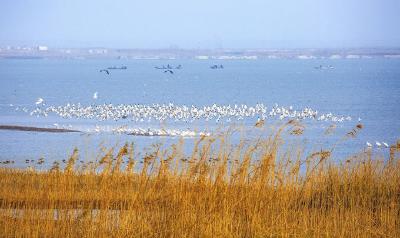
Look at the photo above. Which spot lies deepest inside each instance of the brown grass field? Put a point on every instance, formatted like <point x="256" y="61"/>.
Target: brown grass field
<point x="252" y="189"/>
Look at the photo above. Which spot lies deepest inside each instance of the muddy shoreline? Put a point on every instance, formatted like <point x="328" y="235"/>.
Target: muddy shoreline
<point x="35" y="129"/>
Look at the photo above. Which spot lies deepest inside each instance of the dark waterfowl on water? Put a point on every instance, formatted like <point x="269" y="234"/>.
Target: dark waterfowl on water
<point x="170" y="67"/>
<point x="324" y="67"/>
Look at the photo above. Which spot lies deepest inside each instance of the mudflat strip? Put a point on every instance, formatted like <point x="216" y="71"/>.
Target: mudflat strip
<point x="36" y="129"/>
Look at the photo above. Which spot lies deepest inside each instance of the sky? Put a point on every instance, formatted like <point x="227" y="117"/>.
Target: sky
<point x="201" y="24"/>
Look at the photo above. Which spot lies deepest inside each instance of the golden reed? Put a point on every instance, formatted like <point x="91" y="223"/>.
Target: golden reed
<point x="258" y="188"/>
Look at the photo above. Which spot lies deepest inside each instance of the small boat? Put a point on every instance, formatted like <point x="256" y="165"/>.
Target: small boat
<point x="115" y="67"/>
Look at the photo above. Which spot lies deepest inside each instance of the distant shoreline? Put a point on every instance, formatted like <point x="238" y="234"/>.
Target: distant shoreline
<point x="35" y="129"/>
<point x="45" y="52"/>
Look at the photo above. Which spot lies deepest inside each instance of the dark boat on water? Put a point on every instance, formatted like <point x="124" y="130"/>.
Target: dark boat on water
<point x="217" y="66"/>
<point x="115" y="67"/>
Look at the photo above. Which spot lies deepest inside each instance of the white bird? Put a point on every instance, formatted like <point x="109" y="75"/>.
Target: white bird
<point x="385" y="144"/>
<point x="39" y="101"/>
<point x="369" y="144"/>
<point x="95" y="96"/>
<point x="378" y="144"/>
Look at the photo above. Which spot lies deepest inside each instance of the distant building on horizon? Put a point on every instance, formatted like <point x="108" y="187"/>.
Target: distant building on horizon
<point x="42" y="48"/>
<point x="202" y="57"/>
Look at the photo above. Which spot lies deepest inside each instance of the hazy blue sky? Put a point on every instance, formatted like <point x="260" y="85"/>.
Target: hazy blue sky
<point x="201" y="24"/>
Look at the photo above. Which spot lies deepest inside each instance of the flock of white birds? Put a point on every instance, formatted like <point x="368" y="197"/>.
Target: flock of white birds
<point x="378" y="144"/>
<point x="182" y="113"/>
<point x="175" y="113"/>
<point x="153" y="131"/>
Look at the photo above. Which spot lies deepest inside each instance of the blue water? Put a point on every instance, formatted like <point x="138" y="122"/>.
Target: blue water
<point x="365" y="88"/>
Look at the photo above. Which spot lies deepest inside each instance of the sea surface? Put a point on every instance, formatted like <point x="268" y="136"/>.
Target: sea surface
<point x="367" y="90"/>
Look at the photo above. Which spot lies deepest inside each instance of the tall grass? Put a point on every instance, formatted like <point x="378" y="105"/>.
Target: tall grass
<point x="251" y="189"/>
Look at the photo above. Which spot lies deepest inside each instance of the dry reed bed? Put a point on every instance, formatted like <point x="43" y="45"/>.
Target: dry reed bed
<point x="247" y="190"/>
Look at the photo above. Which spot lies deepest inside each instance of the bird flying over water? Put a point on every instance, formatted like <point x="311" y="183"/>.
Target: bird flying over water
<point x="169" y="71"/>
<point x="95" y="95"/>
<point x="39" y="101"/>
<point x="105" y="70"/>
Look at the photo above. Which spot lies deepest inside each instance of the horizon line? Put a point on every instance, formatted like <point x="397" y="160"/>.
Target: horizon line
<point x="213" y="49"/>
